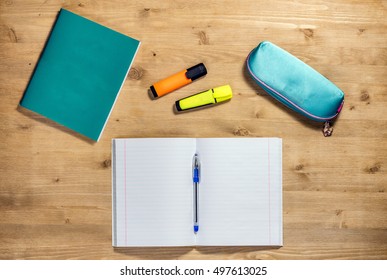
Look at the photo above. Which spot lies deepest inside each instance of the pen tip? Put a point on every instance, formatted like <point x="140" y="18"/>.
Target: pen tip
<point x="196" y="229"/>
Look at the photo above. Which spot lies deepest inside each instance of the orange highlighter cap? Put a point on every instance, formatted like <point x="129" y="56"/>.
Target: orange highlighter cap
<point x="178" y="80"/>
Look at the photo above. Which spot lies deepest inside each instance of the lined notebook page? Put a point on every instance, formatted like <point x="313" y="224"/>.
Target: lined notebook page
<point x="152" y="192"/>
<point x="240" y="191"/>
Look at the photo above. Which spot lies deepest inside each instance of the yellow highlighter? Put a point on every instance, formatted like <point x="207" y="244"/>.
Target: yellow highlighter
<point x="205" y="98"/>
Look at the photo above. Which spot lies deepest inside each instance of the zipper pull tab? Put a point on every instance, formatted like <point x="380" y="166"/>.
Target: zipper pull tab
<point x="327" y="129"/>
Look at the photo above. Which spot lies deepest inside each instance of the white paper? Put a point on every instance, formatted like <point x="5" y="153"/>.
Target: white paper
<point x="153" y="190"/>
<point x="240" y="192"/>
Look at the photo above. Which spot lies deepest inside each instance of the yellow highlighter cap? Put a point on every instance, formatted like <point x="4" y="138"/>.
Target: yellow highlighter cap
<point x="222" y="93"/>
<point x="208" y="97"/>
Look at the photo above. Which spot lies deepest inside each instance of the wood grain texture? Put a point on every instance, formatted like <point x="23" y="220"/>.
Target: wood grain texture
<point x="55" y="186"/>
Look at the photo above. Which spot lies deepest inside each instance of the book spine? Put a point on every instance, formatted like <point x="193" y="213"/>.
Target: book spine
<point x="114" y="197"/>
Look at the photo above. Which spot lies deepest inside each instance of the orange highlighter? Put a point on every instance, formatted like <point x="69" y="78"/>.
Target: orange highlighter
<point x="178" y="80"/>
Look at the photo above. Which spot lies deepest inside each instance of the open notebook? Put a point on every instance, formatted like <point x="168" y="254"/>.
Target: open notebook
<point x="240" y="197"/>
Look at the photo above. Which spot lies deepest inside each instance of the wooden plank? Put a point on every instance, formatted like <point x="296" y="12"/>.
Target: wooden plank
<point x="55" y="186"/>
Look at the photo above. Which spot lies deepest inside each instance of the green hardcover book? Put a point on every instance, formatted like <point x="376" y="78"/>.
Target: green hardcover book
<point x="79" y="74"/>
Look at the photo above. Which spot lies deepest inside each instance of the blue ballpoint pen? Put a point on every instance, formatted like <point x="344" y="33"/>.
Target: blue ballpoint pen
<point x="196" y="178"/>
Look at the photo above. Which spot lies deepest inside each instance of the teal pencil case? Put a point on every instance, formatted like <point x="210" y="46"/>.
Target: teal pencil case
<point x="294" y="83"/>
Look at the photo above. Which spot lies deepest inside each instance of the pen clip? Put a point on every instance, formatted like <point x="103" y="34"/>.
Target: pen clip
<point x="196" y="169"/>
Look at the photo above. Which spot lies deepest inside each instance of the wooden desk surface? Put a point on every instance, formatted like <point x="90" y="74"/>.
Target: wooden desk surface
<point x="55" y="187"/>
